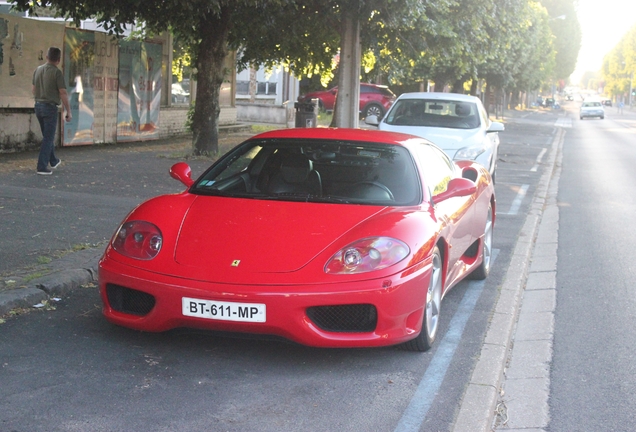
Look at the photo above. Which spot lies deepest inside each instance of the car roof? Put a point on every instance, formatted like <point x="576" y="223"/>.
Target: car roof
<point x="439" y="96"/>
<point x="344" y="134"/>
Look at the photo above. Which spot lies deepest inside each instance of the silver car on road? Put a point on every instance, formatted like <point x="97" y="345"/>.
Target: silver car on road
<point x="456" y="123"/>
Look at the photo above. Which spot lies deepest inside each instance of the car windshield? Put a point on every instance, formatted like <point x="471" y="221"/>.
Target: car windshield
<point x="434" y="113"/>
<point x="315" y="171"/>
<point x="591" y="104"/>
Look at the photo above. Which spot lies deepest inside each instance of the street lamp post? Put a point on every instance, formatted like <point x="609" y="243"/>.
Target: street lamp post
<point x="631" y="88"/>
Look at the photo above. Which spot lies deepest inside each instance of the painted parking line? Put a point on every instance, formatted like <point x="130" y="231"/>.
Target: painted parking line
<point x="516" y="203"/>
<point x="564" y="122"/>
<point x="538" y="161"/>
<point x="416" y="411"/>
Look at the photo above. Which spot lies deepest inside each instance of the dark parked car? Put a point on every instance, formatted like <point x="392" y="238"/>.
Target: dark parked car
<point x="374" y="99"/>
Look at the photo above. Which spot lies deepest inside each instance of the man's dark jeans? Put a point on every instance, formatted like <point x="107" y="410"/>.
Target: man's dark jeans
<point x="47" y="116"/>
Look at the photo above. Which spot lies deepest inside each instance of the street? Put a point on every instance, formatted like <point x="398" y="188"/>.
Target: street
<point x="64" y="368"/>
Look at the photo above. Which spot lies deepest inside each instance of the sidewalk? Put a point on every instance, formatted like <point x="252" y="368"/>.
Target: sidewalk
<point x="95" y="185"/>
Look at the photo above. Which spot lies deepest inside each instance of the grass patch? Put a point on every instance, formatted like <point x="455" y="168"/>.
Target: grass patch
<point x="324" y="118"/>
<point x="32" y="276"/>
<point x="264" y="128"/>
<point x="44" y="259"/>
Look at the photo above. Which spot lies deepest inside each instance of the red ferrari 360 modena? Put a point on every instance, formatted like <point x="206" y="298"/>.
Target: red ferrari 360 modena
<point x="326" y="237"/>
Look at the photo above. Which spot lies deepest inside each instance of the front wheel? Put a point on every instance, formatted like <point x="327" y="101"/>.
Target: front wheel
<point x="430" y="320"/>
<point x="483" y="270"/>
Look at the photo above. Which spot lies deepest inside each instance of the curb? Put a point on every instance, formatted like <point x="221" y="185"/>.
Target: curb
<point x="68" y="274"/>
<point x="478" y="407"/>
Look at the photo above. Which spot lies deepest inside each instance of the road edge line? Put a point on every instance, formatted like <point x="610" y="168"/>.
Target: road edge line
<point x="478" y="406"/>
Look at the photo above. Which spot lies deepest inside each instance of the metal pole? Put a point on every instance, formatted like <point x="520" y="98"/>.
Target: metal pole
<point x="631" y="82"/>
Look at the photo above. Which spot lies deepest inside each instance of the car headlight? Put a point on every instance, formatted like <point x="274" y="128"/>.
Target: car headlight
<point x="138" y="239"/>
<point x="471" y="152"/>
<point x="368" y="254"/>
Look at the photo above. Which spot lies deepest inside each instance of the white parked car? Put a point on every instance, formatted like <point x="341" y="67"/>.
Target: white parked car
<point x="592" y="108"/>
<point x="456" y="123"/>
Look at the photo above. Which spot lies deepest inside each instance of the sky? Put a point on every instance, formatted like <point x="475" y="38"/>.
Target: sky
<point x="603" y="23"/>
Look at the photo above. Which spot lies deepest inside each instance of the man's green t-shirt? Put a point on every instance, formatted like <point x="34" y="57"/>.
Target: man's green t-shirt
<point x="48" y="80"/>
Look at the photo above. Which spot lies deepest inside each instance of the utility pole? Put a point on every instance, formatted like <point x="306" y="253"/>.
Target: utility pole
<point x="631" y="88"/>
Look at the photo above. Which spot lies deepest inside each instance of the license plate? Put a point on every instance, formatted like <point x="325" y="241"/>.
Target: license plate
<point x="226" y="311"/>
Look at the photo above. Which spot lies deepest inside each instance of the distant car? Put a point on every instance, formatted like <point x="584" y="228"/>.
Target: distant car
<point x="456" y="123"/>
<point x="592" y="109"/>
<point x="374" y="99"/>
<point x="606" y="102"/>
<point x="327" y="237"/>
<point x="179" y="94"/>
<point x="548" y="102"/>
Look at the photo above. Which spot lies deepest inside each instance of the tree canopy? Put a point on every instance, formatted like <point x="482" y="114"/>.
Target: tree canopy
<point x="619" y="66"/>
<point x="513" y="44"/>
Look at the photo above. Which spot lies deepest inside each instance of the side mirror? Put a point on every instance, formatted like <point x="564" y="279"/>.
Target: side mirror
<point x="181" y="171"/>
<point x="457" y="187"/>
<point x="496" y="127"/>
<point x="372" y="120"/>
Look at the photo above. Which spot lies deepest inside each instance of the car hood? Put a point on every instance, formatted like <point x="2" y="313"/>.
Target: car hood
<point x="448" y="139"/>
<point x="260" y="236"/>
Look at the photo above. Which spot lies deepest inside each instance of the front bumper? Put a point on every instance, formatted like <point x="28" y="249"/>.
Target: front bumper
<point x="396" y="305"/>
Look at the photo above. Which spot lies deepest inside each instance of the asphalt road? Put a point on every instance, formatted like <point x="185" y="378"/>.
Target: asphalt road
<point x="64" y="368"/>
<point x="593" y="373"/>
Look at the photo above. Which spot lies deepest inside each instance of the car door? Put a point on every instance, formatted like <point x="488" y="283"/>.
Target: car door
<point x="455" y="214"/>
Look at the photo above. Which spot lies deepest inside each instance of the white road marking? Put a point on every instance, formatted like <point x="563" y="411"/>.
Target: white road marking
<point x="564" y="122"/>
<point x="416" y="411"/>
<point x="516" y="203"/>
<point x="536" y="165"/>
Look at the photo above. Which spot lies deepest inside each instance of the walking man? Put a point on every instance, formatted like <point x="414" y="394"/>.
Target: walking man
<point x="49" y="90"/>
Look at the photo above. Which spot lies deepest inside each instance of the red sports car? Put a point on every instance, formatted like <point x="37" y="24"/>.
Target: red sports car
<point x="326" y="237"/>
<point x="374" y="99"/>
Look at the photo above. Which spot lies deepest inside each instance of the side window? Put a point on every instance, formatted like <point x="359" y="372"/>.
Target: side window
<point x="438" y="169"/>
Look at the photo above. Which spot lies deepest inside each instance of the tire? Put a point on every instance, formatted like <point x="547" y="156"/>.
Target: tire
<point x="373" y="109"/>
<point x="602" y="117"/>
<point x="430" y="319"/>
<point x="481" y="272"/>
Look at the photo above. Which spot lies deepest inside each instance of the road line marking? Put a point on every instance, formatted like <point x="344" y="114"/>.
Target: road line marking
<point x="516" y="203"/>
<point x="536" y="165"/>
<point x="564" y="122"/>
<point x="416" y="411"/>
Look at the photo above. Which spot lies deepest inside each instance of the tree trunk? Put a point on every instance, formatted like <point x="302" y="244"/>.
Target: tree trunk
<point x="212" y="51"/>
<point x="347" y="106"/>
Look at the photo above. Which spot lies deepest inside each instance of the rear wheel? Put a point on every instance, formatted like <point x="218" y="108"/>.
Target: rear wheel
<point x="430" y="321"/>
<point x="373" y="109"/>
<point x="483" y="270"/>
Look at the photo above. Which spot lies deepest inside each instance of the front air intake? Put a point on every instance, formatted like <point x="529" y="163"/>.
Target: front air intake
<point x="130" y="301"/>
<point x="358" y="318"/>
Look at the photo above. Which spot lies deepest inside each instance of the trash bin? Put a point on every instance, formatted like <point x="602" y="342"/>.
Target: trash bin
<point x="307" y="113"/>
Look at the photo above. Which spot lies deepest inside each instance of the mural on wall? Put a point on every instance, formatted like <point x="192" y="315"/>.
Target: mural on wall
<point x="23" y="46"/>
<point x="79" y="58"/>
<point x="114" y="88"/>
<point x="139" y="90"/>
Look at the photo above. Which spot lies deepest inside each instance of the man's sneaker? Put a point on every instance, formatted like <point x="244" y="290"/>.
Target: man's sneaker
<point x="45" y="172"/>
<point x="59" y="161"/>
